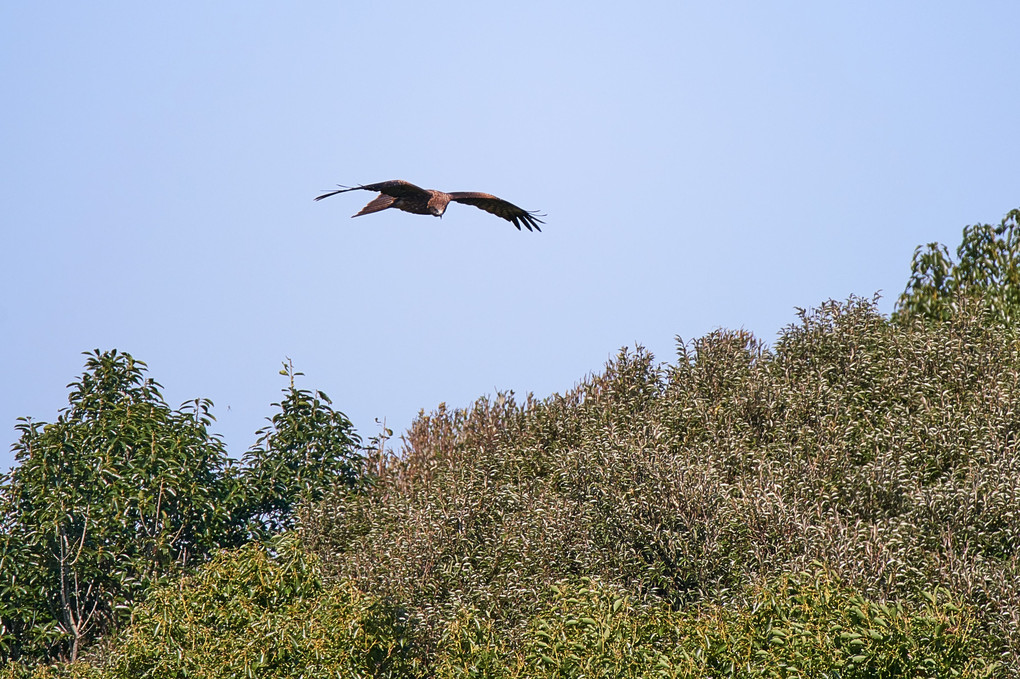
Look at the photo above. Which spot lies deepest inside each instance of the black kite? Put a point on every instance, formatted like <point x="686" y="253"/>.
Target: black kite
<point x="410" y="198"/>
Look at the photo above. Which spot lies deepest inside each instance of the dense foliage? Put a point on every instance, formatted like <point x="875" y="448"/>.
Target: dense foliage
<point x="886" y="452"/>
<point x="122" y="493"/>
<point x="844" y="503"/>
<point x="987" y="269"/>
<point x="254" y="613"/>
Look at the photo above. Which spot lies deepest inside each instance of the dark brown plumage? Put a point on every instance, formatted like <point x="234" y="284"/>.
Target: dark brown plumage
<point x="410" y="198"/>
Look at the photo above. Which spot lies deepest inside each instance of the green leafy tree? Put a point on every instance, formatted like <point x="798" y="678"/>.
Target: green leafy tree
<point x="308" y="449"/>
<point x="122" y="492"/>
<point x="115" y="495"/>
<point x="987" y="269"/>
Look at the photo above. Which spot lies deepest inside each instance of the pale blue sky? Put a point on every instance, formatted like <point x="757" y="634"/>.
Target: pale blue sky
<point x="702" y="165"/>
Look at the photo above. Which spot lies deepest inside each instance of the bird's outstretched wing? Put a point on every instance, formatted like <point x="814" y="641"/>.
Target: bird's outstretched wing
<point x="397" y="188"/>
<point x="500" y="208"/>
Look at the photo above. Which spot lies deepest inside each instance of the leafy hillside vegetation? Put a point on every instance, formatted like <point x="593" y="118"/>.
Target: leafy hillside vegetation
<point x="884" y="455"/>
<point x="842" y="503"/>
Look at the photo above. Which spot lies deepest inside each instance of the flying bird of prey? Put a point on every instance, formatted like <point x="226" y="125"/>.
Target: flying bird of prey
<point x="410" y="198"/>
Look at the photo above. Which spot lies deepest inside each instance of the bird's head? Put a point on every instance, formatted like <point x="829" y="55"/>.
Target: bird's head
<point x="437" y="210"/>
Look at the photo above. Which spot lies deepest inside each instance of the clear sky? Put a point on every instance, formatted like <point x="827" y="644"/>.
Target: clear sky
<point x="702" y="165"/>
